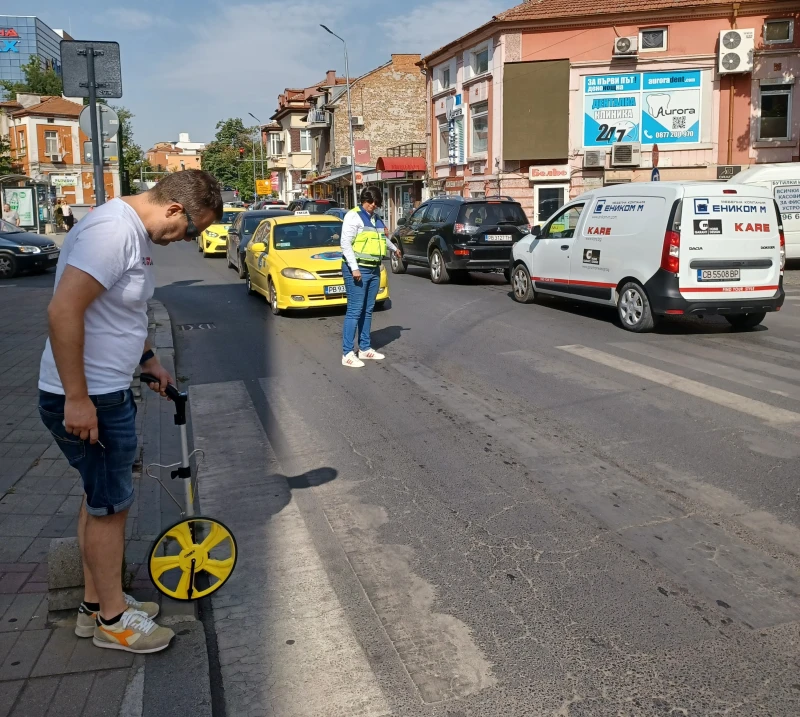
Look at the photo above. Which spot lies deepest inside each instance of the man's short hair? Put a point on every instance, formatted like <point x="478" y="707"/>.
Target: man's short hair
<point x="194" y="189"/>
<point x="372" y="195"/>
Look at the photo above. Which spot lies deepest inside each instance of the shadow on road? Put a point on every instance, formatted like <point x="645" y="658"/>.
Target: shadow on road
<point x="383" y="337"/>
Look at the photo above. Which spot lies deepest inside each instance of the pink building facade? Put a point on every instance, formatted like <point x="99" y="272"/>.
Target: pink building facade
<point x="531" y="104"/>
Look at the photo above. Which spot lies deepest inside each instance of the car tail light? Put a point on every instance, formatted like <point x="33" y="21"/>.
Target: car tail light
<point x="461" y="252"/>
<point x="468" y="229"/>
<point x="729" y="191"/>
<point x="670" y="256"/>
<point x="526" y="228"/>
<point x="783" y="246"/>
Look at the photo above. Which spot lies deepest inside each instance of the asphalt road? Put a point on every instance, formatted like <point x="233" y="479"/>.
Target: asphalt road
<point x="524" y="510"/>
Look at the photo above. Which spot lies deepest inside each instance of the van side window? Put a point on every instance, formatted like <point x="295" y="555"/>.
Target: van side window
<point x="562" y="226"/>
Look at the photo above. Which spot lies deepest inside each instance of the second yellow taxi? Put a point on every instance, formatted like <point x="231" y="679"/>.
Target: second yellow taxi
<point x="296" y="263"/>
<point x="214" y="240"/>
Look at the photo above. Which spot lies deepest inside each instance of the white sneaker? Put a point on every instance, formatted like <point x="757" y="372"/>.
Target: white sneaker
<point x="352" y="361"/>
<point x="371" y="354"/>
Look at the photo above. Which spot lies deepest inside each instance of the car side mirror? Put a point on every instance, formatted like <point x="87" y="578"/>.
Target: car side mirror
<point x="402" y="221"/>
<point x="258" y="247"/>
<point x="536" y="230"/>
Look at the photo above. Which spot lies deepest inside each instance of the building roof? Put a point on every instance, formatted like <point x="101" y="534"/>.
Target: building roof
<point x="11" y="105"/>
<point x="52" y="106"/>
<point x="547" y="9"/>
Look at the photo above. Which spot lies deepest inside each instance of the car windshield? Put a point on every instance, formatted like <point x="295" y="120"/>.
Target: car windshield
<point x="249" y="224"/>
<point x="9" y="228"/>
<point x="308" y="235"/>
<point x="228" y="217"/>
<point x="319" y="207"/>
<point x="491" y="214"/>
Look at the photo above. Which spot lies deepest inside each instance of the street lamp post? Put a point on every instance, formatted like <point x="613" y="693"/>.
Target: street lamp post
<point x="349" y="117"/>
<point x="261" y="142"/>
<point x="255" y="186"/>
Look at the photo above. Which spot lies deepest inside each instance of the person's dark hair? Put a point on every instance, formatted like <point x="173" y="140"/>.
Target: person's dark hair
<point x="193" y="188"/>
<point x="371" y="195"/>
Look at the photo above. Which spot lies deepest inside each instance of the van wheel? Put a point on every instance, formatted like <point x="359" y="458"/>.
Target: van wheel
<point x="399" y="265"/>
<point x="743" y="322"/>
<point x="522" y="286"/>
<point x="634" y="308"/>
<point x="439" y="273"/>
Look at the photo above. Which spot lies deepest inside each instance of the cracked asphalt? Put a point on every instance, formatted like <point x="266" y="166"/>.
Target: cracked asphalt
<point x="498" y="520"/>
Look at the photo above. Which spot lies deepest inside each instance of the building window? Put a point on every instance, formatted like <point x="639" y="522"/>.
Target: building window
<point x="775" y="121"/>
<point x="480" y="127"/>
<point x="50" y="143"/>
<point x="653" y="39"/>
<point x="480" y="61"/>
<point x="778" y="32"/>
<point x="305" y="140"/>
<point x="444" y="140"/>
<point x="446" y="78"/>
<point x="23" y="148"/>
<point x="275" y="144"/>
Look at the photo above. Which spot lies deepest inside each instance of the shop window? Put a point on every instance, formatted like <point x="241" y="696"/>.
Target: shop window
<point x="776" y="108"/>
<point x="444" y="141"/>
<point x="653" y="39"/>
<point x="778" y="32"/>
<point x="479" y="113"/>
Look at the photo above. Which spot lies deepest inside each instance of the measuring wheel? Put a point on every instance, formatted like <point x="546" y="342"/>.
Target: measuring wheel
<point x="193" y="558"/>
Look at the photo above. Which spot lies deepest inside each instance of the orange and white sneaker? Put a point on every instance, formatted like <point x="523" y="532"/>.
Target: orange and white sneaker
<point x="87" y="619"/>
<point x="133" y="632"/>
<point x="371" y="355"/>
<point x="352" y="361"/>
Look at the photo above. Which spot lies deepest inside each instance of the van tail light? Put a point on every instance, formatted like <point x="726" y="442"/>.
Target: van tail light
<point x="670" y="255"/>
<point x="783" y="247"/>
<point x="468" y="229"/>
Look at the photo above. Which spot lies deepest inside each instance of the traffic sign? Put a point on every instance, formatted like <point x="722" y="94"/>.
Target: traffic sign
<point x="655" y="175"/>
<point x="109" y="152"/>
<point x="107" y="121"/>
<point x="75" y="72"/>
<point x="263" y="187"/>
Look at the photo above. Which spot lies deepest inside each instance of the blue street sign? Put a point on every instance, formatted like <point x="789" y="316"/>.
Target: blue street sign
<point x="655" y="175"/>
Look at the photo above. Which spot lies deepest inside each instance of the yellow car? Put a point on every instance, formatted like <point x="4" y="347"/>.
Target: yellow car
<point x="214" y="240"/>
<point x="296" y="263"/>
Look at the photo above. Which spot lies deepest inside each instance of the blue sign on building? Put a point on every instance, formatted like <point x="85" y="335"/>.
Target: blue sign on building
<point x="20" y="39"/>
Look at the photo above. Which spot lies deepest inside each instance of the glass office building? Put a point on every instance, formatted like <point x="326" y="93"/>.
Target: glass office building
<point x="21" y="37"/>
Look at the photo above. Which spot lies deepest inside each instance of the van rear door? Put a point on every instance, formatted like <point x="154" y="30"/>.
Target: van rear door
<point x="729" y="243"/>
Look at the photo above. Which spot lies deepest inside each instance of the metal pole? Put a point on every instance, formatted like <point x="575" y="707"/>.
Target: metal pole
<point x="261" y="143"/>
<point x="123" y="182"/>
<point x="255" y="186"/>
<point x="97" y="144"/>
<point x="350" y="122"/>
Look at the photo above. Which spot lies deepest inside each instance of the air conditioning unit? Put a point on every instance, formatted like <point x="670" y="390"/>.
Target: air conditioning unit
<point x="594" y="159"/>
<point x="626" y="154"/>
<point x="736" y="51"/>
<point x="357" y="120"/>
<point x="56" y="157"/>
<point x="626" y="45"/>
<point x="345" y="161"/>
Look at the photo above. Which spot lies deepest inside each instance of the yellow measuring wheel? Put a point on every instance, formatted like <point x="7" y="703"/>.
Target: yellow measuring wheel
<point x="194" y="557"/>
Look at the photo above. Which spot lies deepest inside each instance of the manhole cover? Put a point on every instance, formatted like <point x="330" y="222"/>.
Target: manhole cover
<point x="197" y="327"/>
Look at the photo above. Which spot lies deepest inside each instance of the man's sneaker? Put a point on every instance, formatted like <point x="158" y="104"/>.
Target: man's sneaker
<point x="371" y="354"/>
<point x="87" y="620"/>
<point x="133" y="632"/>
<point x="352" y="361"/>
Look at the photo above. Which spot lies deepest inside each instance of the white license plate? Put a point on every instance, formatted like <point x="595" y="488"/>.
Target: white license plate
<point x="334" y="290"/>
<point x="497" y="237"/>
<point x="718" y="275"/>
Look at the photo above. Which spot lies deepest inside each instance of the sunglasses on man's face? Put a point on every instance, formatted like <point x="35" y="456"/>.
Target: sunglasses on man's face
<point x="191" y="230"/>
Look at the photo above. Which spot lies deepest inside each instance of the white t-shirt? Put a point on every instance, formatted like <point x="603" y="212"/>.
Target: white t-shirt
<point x="112" y="245"/>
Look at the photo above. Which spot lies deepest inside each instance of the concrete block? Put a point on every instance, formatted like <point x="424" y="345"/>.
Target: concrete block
<point x="64" y="566"/>
<point x="64" y="598"/>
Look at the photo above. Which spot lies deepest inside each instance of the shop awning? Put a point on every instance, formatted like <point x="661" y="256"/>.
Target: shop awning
<point x="401" y="164"/>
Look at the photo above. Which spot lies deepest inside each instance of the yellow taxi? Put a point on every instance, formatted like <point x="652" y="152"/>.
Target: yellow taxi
<point x="214" y="240"/>
<point x="296" y="263"/>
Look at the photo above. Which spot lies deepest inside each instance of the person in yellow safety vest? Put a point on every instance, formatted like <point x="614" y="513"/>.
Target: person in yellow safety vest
<point x="364" y="244"/>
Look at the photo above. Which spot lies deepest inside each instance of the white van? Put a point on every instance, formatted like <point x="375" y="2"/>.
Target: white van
<point x="659" y="248"/>
<point x="783" y="182"/>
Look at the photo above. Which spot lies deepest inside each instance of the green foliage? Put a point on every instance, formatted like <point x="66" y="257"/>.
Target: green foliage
<point x="222" y="157"/>
<point x="38" y="80"/>
<point x="5" y="156"/>
<point x="133" y="157"/>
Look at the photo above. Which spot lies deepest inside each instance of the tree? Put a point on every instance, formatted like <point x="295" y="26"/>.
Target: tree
<point x="223" y="158"/>
<point x="133" y="157"/>
<point x="38" y="80"/>
<point x="5" y="156"/>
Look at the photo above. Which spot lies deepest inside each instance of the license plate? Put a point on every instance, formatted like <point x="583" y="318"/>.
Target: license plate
<point x="335" y="290"/>
<point x="497" y="237"/>
<point x="718" y="275"/>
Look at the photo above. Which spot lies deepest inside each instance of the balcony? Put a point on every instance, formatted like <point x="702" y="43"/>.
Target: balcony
<point x="410" y="149"/>
<point x="276" y="150"/>
<point x="318" y="119"/>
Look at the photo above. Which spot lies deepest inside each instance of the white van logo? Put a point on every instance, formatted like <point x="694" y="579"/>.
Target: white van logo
<point x="591" y="256"/>
<point x="598" y="208"/>
<point x="708" y="226"/>
<point x="701" y="206"/>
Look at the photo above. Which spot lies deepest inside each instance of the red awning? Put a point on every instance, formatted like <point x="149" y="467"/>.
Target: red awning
<point x="401" y="164"/>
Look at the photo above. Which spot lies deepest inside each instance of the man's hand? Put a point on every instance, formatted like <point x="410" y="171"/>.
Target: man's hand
<point x="80" y="418"/>
<point x="154" y="367"/>
<point x="398" y="254"/>
<point x="357" y="274"/>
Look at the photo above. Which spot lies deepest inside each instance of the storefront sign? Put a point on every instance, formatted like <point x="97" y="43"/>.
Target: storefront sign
<point x="274" y="181"/>
<point x="648" y="107"/>
<point x="362" y="152"/>
<point x="21" y="202"/>
<point x="549" y="173"/>
<point x="788" y="198"/>
<point x="454" y="186"/>
<point x="9" y="38"/>
<point x="727" y="171"/>
<point x="63" y="180"/>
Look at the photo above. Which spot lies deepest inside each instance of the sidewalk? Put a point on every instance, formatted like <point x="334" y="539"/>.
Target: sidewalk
<point x="44" y="668"/>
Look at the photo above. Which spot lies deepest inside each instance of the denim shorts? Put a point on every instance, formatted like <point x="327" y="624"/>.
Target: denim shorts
<point x="106" y="471"/>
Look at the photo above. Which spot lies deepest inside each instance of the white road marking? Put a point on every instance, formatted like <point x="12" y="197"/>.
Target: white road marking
<point x="285" y="644"/>
<point x="759" y="349"/>
<point x="757" y="409"/>
<point x="735" y="359"/>
<point x="782" y="342"/>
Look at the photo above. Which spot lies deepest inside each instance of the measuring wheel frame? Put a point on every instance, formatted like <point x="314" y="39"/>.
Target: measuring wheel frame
<point x="192" y="559"/>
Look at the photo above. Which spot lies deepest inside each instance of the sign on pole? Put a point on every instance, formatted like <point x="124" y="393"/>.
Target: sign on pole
<point x="108" y="122"/>
<point x="109" y="152"/>
<point x="655" y="175"/>
<point x="263" y="186"/>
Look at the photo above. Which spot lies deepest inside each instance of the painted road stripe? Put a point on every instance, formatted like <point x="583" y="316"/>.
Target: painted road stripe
<point x="757" y="409"/>
<point x="712" y="368"/>
<point x="279" y="591"/>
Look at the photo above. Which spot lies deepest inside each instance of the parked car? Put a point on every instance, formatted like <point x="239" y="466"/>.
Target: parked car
<point x="240" y="233"/>
<point x="266" y="203"/>
<point x="21" y="250"/>
<point x="312" y="206"/>
<point x="337" y="212"/>
<point x="654" y="249"/>
<point x="453" y="235"/>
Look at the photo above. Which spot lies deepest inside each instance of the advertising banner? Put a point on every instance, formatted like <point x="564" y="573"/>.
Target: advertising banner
<point x="649" y="107"/>
<point x="21" y="201"/>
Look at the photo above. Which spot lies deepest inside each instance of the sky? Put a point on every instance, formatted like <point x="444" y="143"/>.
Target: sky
<point x="187" y="64"/>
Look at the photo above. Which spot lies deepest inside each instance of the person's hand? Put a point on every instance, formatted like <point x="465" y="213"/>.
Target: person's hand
<point x="154" y="368"/>
<point x="357" y="274"/>
<point x="80" y="418"/>
<point x="398" y="254"/>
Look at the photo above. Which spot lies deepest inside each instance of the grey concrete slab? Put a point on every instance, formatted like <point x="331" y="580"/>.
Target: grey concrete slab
<point x="12" y="549"/>
<point x="23" y="526"/>
<point x="87" y="657"/>
<point x="9" y="691"/>
<point x="36" y="697"/>
<point x="23" y="655"/>
<point x="56" y="654"/>
<point x="108" y="690"/>
<point x="21" y="611"/>
<point x="71" y="695"/>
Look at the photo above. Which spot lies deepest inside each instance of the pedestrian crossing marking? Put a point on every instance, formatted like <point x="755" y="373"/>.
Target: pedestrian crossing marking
<point x="757" y="409"/>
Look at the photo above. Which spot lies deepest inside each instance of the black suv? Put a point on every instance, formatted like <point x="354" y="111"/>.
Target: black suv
<point x="453" y="235"/>
<point x="312" y="206"/>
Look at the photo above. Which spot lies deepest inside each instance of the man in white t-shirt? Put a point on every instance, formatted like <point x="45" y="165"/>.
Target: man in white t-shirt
<point x="98" y="334"/>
